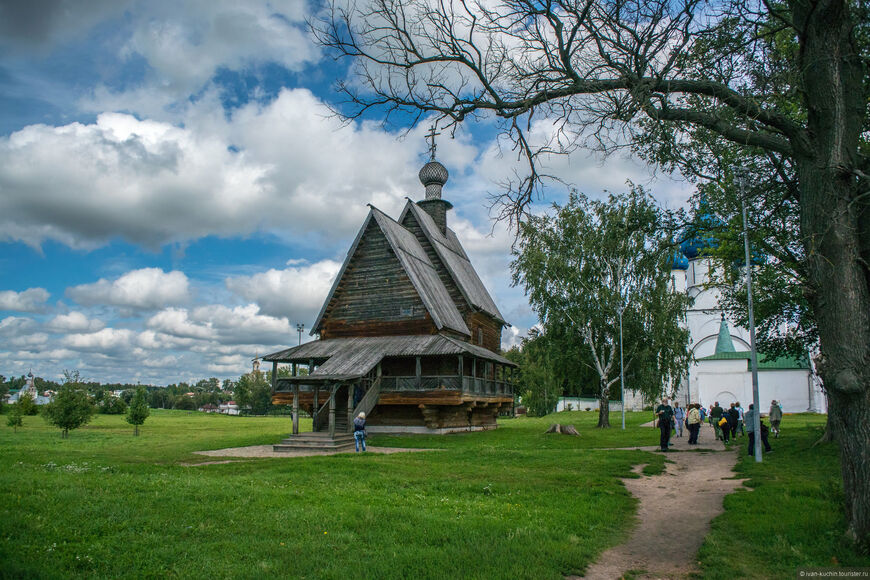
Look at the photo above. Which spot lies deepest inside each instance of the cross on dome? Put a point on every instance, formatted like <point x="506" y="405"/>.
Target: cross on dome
<point x="430" y="136"/>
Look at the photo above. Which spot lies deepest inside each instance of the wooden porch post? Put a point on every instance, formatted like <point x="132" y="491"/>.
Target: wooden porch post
<point x="296" y="409"/>
<point x="314" y="407"/>
<point x="274" y="375"/>
<point x="295" y="414"/>
<point x="461" y="372"/>
<point x="418" y="373"/>
<point x="351" y="387"/>
<point x="474" y="373"/>
<point x="332" y="410"/>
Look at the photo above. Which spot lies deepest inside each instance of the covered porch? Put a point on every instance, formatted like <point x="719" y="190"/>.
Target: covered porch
<point x="430" y="383"/>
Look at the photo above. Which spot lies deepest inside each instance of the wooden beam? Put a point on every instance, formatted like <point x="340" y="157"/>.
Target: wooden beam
<point x="351" y="387"/>
<point x="295" y="406"/>
<point x="314" y="407"/>
<point x="274" y="375"/>
<point x="332" y="411"/>
<point x="418" y="380"/>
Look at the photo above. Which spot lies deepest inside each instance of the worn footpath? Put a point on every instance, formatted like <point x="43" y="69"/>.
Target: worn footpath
<point x="675" y="510"/>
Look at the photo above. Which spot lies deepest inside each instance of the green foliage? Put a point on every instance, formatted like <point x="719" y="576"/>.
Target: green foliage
<point x="71" y="407"/>
<point x="254" y="393"/>
<point x="159" y="399"/>
<point x="539" y="384"/>
<point x="184" y="403"/>
<point x="15" y="418"/>
<point x="112" y="405"/>
<point x="27" y="405"/>
<point x="584" y="264"/>
<point x="138" y="410"/>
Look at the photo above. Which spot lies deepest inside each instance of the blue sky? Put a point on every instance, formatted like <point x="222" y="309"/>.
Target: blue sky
<point x="175" y="196"/>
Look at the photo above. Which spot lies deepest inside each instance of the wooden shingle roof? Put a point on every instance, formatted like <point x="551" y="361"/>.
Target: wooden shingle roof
<point x="453" y="256"/>
<point x="348" y="358"/>
<point x="417" y="267"/>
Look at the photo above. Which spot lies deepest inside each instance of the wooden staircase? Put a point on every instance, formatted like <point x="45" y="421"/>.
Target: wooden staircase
<point x="343" y="439"/>
<point x="316" y="441"/>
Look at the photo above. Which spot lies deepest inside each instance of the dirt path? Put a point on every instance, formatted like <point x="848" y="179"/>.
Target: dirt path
<point x="267" y="451"/>
<point x="675" y="511"/>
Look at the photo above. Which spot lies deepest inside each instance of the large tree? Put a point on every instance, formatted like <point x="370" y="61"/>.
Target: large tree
<point x="590" y="263"/>
<point x="610" y="72"/>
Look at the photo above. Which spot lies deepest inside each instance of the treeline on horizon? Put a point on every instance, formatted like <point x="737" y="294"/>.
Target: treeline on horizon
<point x="251" y="393"/>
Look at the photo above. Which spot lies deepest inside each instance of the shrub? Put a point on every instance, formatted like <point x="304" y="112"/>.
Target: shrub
<point x="15" y="418"/>
<point x="27" y="405"/>
<point x="113" y="406"/>
<point x="70" y="409"/>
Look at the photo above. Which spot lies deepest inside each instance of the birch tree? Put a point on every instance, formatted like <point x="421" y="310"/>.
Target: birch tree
<point x="592" y="259"/>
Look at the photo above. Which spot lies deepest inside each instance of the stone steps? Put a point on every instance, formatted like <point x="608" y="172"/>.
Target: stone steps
<point x="319" y="441"/>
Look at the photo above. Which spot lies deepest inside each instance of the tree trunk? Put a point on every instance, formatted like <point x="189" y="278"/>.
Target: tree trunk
<point x="135" y="430"/>
<point x="835" y="236"/>
<point x="603" y="406"/>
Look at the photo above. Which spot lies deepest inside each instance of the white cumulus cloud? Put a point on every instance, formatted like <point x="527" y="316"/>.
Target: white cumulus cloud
<point x="296" y="292"/>
<point x="74" y="322"/>
<point x="147" y="288"/>
<point x="30" y="300"/>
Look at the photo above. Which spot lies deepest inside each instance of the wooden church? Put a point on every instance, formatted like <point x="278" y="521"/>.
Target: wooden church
<point x="408" y="334"/>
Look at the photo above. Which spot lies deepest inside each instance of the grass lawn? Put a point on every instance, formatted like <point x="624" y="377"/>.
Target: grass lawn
<point x="791" y="518"/>
<point x="510" y="503"/>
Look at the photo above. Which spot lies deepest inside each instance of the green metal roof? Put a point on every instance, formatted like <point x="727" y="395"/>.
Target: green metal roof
<point x="764" y="363"/>
<point x="723" y="341"/>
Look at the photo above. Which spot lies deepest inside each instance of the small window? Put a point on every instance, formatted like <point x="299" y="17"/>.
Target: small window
<point x="407" y="311"/>
<point x="480" y="336"/>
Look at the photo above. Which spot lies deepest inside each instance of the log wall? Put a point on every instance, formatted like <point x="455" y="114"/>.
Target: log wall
<point x="375" y="297"/>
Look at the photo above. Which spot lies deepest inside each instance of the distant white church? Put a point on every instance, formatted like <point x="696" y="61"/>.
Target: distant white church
<point x="721" y="369"/>
<point x="29" y="388"/>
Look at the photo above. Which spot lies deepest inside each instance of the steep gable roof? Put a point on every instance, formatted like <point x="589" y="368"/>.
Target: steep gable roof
<point x="416" y="265"/>
<point x="454" y="258"/>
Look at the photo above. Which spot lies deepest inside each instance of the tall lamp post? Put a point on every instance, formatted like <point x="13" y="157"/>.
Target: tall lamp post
<point x="619" y="310"/>
<point x="756" y="418"/>
<point x="300" y="328"/>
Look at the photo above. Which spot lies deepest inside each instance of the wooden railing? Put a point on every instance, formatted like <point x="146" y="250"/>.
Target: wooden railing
<point x="473" y="385"/>
<point x="454" y="383"/>
<point x="369" y="400"/>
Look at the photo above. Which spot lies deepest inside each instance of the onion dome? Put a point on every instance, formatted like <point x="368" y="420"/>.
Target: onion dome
<point x="433" y="176"/>
<point x="679" y="261"/>
<point x="695" y="238"/>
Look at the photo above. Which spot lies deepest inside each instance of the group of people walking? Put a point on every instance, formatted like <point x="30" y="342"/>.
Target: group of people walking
<point x="726" y="423"/>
